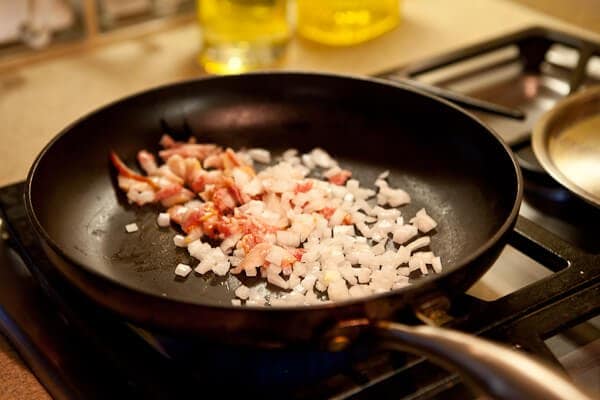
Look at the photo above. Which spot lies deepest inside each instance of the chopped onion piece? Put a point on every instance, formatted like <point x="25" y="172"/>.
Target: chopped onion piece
<point x="321" y="158"/>
<point x="383" y="175"/>
<point x="179" y="241"/>
<point x="243" y="292"/>
<point x="418" y="243"/>
<point x="423" y="221"/>
<point x="163" y="220"/>
<point x="290" y="153"/>
<point x="338" y="290"/>
<point x="183" y="270"/>
<point x="277" y="280"/>
<point x="260" y="155"/>
<point x="403" y="233"/>
<point x="436" y="263"/>
<point x="288" y="238"/>
<point x="130" y="228"/>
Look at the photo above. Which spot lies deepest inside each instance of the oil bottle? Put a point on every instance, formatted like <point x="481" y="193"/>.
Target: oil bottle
<point x="242" y="35"/>
<point x="346" y="22"/>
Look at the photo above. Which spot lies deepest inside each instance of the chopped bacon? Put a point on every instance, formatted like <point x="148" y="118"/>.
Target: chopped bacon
<point x="209" y="221"/>
<point x="125" y="171"/>
<point x="196" y="217"/>
<point x="239" y="197"/>
<point x="193" y="169"/>
<point x="298" y="253"/>
<point x="248" y="241"/>
<point x="225" y="193"/>
<point x="168" y="191"/>
<point x="204" y="178"/>
<point x="288" y="262"/>
<point x="182" y="197"/>
<point x="303" y="187"/>
<point x="198" y="183"/>
<point x="165" y="172"/>
<point x="211" y="226"/>
<point x="126" y="183"/>
<point x="213" y="161"/>
<point x="340" y="178"/>
<point x="230" y="160"/>
<point x="175" y="213"/>
<point x="327" y="212"/>
<point x="173" y="194"/>
<point x="223" y="199"/>
<point x="249" y="170"/>
<point x="195" y="234"/>
<point x="167" y="142"/>
<point x="256" y="256"/>
<point x="227" y="226"/>
<point x="199" y="151"/>
<point x="147" y="161"/>
<point x="347" y="220"/>
<point x="176" y="164"/>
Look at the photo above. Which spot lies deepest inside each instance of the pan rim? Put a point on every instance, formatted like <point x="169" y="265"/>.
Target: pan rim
<point x="541" y="135"/>
<point x="483" y="248"/>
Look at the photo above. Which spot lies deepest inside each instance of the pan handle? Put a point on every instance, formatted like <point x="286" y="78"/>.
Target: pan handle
<point x="494" y="369"/>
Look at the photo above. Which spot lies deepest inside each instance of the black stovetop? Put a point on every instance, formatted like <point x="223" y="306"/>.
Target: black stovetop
<point x="78" y="350"/>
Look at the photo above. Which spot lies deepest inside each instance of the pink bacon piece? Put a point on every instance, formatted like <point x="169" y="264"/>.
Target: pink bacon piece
<point x="213" y="161"/>
<point x="166" y="172"/>
<point x="173" y="194"/>
<point x="127" y="172"/>
<point x="193" y="169"/>
<point x="199" y="151"/>
<point x="303" y="187"/>
<point x="176" y="164"/>
<point x="230" y="160"/>
<point x="256" y="256"/>
<point x="147" y="162"/>
<point x="224" y="200"/>
<point x="203" y="178"/>
<point x="340" y="177"/>
<point x="167" y="142"/>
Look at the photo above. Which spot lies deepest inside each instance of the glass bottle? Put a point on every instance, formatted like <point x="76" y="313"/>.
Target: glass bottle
<point x="346" y="22"/>
<point x="242" y="35"/>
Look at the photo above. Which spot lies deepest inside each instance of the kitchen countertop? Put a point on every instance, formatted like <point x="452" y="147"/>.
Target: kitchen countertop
<point x="37" y="100"/>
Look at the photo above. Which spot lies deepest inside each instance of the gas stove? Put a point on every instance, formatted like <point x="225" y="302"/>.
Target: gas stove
<point x="542" y="296"/>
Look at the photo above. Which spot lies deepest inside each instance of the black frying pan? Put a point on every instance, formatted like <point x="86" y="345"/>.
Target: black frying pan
<point x="448" y="161"/>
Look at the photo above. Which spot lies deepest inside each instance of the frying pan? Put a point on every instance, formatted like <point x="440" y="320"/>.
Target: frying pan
<point x="567" y="150"/>
<point x="448" y="161"/>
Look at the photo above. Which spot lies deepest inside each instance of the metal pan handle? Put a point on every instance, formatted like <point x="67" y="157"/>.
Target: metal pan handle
<point x="494" y="369"/>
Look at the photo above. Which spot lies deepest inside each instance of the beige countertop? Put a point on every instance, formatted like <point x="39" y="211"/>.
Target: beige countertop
<point x="39" y="99"/>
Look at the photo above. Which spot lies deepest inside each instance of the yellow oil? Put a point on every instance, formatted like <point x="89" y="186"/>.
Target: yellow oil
<point x="346" y="22"/>
<point x="242" y="35"/>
